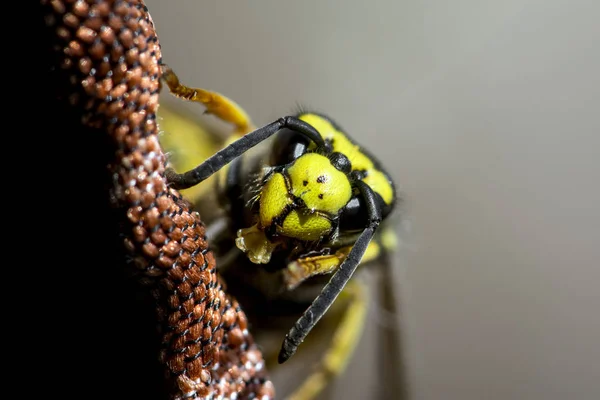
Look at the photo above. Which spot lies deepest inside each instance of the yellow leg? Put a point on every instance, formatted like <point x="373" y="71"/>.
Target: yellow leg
<point x="344" y="340"/>
<point x="221" y="107"/>
<point x="299" y="270"/>
<point x="215" y="103"/>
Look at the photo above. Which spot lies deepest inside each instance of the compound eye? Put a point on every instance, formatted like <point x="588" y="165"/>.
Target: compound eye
<point x="340" y="162"/>
<point x="288" y="146"/>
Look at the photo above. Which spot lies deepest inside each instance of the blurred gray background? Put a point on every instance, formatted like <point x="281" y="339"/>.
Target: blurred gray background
<point x="487" y="114"/>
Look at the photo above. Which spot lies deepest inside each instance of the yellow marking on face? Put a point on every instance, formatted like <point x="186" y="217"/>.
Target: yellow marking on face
<point x="319" y="184"/>
<point x="274" y="198"/>
<point x="304" y="226"/>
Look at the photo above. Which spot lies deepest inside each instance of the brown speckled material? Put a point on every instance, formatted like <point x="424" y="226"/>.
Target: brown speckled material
<point x="110" y="53"/>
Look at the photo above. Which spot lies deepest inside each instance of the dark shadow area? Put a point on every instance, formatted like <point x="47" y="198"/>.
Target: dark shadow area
<point x="95" y="333"/>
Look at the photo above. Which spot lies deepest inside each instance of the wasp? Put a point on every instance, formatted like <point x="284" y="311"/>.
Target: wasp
<point x="294" y="208"/>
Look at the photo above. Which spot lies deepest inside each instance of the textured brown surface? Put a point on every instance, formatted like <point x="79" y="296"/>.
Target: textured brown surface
<point x="106" y="71"/>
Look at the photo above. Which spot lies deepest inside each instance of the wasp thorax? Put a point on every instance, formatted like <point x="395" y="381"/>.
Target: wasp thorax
<point x="319" y="184"/>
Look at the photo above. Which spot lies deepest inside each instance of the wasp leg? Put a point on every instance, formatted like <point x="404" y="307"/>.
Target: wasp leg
<point x="215" y="103"/>
<point x="303" y="268"/>
<point x="344" y="340"/>
<point x="227" y="110"/>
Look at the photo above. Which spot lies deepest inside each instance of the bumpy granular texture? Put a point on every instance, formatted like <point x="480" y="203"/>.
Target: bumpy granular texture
<point x="109" y="54"/>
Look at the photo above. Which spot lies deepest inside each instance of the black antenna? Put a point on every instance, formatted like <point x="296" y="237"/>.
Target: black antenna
<point x="239" y="147"/>
<point x="336" y="284"/>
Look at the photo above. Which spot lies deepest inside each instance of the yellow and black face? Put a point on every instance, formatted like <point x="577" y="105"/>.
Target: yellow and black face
<point x="313" y="195"/>
<point x="303" y="200"/>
